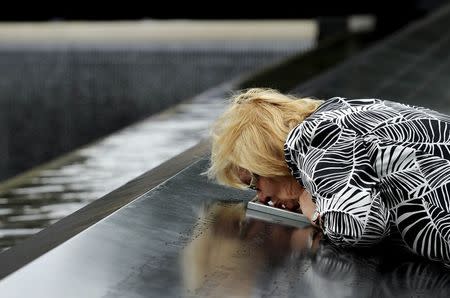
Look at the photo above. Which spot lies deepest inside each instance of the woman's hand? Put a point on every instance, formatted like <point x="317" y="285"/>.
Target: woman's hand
<point x="307" y="206"/>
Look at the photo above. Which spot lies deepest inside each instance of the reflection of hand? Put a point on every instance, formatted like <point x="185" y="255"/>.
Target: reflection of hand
<point x="305" y="240"/>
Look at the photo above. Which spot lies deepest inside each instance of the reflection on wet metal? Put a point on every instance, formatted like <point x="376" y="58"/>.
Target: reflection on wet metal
<point x="232" y="253"/>
<point x="241" y="256"/>
<point x="191" y="238"/>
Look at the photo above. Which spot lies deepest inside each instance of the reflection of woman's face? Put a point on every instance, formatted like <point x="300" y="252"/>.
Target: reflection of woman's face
<point x="306" y="240"/>
<point x="278" y="241"/>
<point x="230" y="251"/>
<point x="275" y="240"/>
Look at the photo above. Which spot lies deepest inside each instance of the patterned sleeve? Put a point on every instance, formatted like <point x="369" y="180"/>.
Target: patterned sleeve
<point x="333" y="163"/>
<point x="351" y="153"/>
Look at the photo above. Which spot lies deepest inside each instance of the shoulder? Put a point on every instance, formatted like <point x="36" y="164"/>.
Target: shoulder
<point x="329" y="117"/>
<point x="341" y="116"/>
<point x="386" y="107"/>
<point x="348" y="104"/>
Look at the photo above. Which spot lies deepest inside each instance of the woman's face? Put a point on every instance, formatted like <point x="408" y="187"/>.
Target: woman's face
<point x="283" y="192"/>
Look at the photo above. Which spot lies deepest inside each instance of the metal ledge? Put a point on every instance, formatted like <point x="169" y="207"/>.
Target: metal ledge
<point x="49" y="238"/>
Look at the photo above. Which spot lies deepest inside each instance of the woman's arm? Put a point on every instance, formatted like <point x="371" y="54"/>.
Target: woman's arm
<point x="308" y="208"/>
<point x="360" y="220"/>
<point x="355" y="151"/>
<point x="336" y="170"/>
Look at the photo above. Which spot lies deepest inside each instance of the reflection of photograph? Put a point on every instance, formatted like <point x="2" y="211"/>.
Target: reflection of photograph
<point x="229" y="252"/>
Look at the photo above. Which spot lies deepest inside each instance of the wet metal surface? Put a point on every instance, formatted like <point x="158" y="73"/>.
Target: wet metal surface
<point x="191" y="238"/>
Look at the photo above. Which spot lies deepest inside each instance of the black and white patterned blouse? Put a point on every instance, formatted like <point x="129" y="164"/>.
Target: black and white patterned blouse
<point x="374" y="168"/>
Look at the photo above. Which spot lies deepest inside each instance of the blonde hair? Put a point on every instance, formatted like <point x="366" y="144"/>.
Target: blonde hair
<point x="251" y="133"/>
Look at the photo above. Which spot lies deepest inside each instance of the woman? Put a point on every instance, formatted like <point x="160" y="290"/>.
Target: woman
<point x="360" y="169"/>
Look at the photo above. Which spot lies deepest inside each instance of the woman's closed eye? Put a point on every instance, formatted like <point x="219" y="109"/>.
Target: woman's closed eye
<point x="252" y="184"/>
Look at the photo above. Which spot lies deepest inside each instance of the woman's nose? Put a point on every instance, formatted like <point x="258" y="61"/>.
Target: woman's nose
<point x="263" y="198"/>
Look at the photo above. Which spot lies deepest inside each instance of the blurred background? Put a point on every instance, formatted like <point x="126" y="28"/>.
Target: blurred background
<point x="90" y="100"/>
